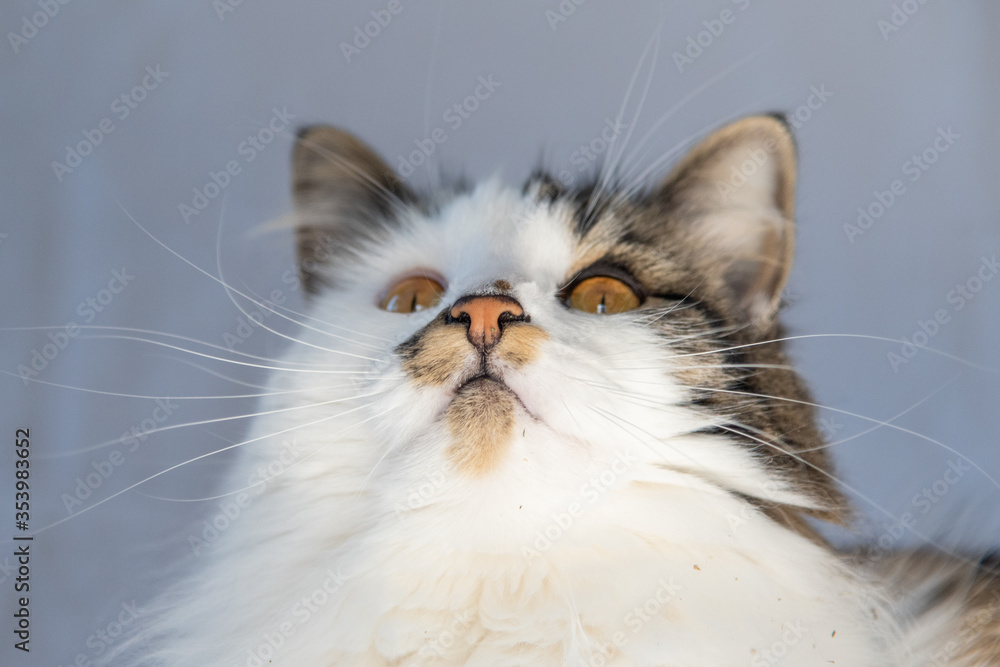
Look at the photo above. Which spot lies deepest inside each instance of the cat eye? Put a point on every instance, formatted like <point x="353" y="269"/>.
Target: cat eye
<point x="412" y="294"/>
<point x="603" y="295"/>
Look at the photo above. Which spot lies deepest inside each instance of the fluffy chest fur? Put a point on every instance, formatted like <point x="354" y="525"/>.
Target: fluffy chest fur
<point x="538" y="427"/>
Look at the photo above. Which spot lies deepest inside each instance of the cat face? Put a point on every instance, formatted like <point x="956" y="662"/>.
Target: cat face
<point x="507" y="353"/>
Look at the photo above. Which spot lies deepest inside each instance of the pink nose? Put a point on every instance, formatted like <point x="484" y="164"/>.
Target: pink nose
<point x="485" y="317"/>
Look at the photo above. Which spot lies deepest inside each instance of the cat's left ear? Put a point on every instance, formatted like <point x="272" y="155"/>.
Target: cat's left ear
<point x="733" y="197"/>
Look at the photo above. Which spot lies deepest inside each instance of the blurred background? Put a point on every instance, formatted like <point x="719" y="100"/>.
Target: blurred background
<point x="146" y="153"/>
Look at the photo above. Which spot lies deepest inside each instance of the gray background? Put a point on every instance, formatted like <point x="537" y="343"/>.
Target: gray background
<point x="61" y="240"/>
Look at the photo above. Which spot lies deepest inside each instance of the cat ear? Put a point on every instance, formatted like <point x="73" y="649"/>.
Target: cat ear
<point x="342" y="190"/>
<point x="733" y="196"/>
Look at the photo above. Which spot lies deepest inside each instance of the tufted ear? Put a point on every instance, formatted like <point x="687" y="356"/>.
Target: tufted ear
<point x="342" y="191"/>
<point x="734" y="195"/>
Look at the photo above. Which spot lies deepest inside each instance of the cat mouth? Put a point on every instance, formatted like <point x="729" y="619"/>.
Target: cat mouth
<point x="487" y="384"/>
<point x="482" y="380"/>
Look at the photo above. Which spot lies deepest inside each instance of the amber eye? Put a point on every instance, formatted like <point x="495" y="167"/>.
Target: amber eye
<point x="603" y="295"/>
<point x="412" y="294"/>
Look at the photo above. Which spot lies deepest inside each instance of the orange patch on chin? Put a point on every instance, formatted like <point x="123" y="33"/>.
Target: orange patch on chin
<point x="481" y="419"/>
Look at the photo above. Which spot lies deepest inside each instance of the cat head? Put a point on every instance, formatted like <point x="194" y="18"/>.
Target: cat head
<point x="507" y="348"/>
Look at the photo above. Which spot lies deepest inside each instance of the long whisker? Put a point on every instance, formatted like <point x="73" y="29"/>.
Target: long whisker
<point x="927" y="539"/>
<point x="230" y="291"/>
<point x="377" y="188"/>
<point x="696" y="367"/>
<point x="192" y="460"/>
<point x="622" y="424"/>
<point x="683" y="302"/>
<point x="165" y="334"/>
<point x="371" y="472"/>
<point x="268" y="479"/>
<point x="610" y="165"/>
<point x="839" y="335"/>
<point x="766" y="440"/>
<point x="875" y="427"/>
<point x="219" y="280"/>
<point x="216" y="420"/>
<point x="267" y="387"/>
<point x="684" y="101"/>
<point x="895" y="427"/>
<point x="118" y="394"/>
<point x="223" y="359"/>
<point x="322" y="321"/>
<point x="877" y="422"/>
<point x="637" y="182"/>
<point x="747" y="430"/>
<point x="435" y="47"/>
<point x="641" y="177"/>
<point x="236" y="381"/>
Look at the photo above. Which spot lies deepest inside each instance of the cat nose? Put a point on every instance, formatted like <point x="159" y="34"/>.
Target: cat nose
<point x="485" y="317"/>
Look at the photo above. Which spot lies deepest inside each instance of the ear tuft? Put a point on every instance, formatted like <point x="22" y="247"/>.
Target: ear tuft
<point x="735" y="193"/>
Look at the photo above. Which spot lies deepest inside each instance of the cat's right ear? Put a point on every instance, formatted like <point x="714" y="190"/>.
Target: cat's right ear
<point x="343" y="191"/>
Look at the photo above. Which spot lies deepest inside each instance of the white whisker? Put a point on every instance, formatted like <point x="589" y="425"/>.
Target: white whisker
<point x="228" y="288"/>
<point x="840" y="335"/>
<point x="216" y="420"/>
<point x="189" y="461"/>
<point x="857" y="416"/>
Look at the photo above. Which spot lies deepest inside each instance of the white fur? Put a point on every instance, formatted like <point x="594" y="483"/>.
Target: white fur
<point x="419" y="564"/>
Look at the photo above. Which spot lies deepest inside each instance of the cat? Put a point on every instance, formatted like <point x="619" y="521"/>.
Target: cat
<point x="551" y="426"/>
